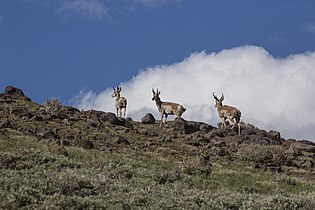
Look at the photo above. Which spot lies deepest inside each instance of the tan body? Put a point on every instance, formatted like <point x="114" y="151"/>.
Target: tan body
<point x="228" y="113"/>
<point x="121" y="102"/>
<point x="167" y="108"/>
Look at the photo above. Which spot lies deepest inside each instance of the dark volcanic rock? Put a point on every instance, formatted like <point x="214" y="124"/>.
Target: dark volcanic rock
<point x="15" y="93"/>
<point x="205" y="127"/>
<point x="47" y="133"/>
<point x="218" y="133"/>
<point x="41" y="118"/>
<point x="101" y="116"/>
<point x="300" y="163"/>
<point x="223" y="152"/>
<point x="148" y="119"/>
<point x="256" y="139"/>
<point x="248" y="131"/>
<point x="275" y="135"/>
<point x="70" y="111"/>
<point x="86" y="144"/>
<point x="124" y="122"/>
<point x="181" y="125"/>
<point x="122" y="140"/>
<point x="110" y="117"/>
<point x="270" y="167"/>
<point x="5" y="123"/>
<point x="189" y="127"/>
<point x="300" y="146"/>
<point x="307" y="142"/>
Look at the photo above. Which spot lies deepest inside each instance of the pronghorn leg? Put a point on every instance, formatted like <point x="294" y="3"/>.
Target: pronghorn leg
<point x="165" y="118"/>
<point x="120" y="112"/>
<point x="238" y="125"/>
<point x="232" y="121"/>
<point x="223" y="123"/>
<point x="236" y="122"/>
<point x="117" y="112"/>
<point x="161" y="122"/>
<point x="125" y="112"/>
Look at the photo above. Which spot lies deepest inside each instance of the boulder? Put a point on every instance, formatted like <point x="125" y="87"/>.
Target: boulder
<point x="15" y="93"/>
<point x="181" y="125"/>
<point x="106" y="117"/>
<point x="109" y="117"/>
<point x="148" y="119"/>
<point x="275" y="135"/>
<point x="124" y="122"/>
<point x="189" y="127"/>
<point x="205" y="127"/>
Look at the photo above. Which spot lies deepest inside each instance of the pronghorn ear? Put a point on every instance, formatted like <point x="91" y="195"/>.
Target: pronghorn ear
<point x="119" y="88"/>
<point x="153" y="91"/>
<point x="158" y="92"/>
<point x="114" y="89"/>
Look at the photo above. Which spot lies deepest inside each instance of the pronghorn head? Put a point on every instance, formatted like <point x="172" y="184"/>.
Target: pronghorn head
<point x="218" y="102"/>
<point x="156" y="95"/>
<point x="116" y="92"/>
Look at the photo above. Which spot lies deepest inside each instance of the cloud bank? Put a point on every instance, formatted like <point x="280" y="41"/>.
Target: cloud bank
<point x="272" y="93"/>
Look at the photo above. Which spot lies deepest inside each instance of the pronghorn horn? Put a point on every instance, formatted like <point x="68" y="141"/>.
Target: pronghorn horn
<point x="222" y="97"/>
<point x="215" y="97"/>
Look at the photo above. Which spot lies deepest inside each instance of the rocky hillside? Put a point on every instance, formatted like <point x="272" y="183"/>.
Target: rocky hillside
<point x="68" y="126"/>
<point x="196" y="149"/>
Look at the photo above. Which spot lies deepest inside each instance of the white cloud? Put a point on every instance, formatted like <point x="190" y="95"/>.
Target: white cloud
<point x="272" y="93"/>
<point x="92" y="9"/>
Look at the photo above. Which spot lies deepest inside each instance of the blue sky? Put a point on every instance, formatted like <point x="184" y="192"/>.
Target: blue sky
<point x="57" y="48"/>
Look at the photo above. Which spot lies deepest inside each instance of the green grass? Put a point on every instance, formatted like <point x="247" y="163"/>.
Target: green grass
<point x="35" y="176"/>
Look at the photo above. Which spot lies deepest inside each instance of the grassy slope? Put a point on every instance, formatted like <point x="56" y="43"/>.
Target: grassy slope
<point x="41" y="175"/>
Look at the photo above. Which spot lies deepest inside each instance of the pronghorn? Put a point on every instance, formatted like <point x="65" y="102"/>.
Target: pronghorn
<point x="167" y="108"/>
<point x="228" y="112"/>
<point x="121" y="102"/>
